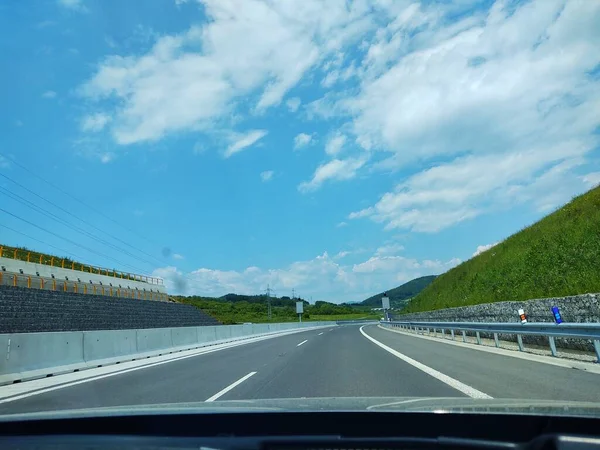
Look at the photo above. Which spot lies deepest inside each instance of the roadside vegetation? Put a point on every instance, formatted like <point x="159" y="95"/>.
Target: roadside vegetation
<point x="233" y="308"/>
<point x="557" y="256"/>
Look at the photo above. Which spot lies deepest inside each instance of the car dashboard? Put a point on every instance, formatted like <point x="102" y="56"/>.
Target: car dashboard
<point x="315" y="430"/>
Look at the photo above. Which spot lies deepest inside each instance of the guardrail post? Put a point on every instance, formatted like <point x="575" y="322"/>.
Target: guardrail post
<point x="464" y="336"/>
<point x="443" y="334"/>
<point x="520" y="342"/>
<point x="14" y="281"/>
<point x="452" y="333"/>
<point x="552" y="345"/>
<point x="496" y="340"/>
<point x="478" y="338"/>
<point x="597" y="349"/>
<point x="28" y="282"/>
<point x="428" y="331"/>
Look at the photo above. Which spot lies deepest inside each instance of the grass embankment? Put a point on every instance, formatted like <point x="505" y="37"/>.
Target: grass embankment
<point x="557" y="256"/>
<point x="231" y="312"/>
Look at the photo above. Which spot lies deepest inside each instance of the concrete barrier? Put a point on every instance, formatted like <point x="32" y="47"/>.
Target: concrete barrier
<point x="104" y="347"/>
<point x="25" y="356"/>
<point x="153" y="339"/>
<point x="35" y="353"/>
<point x="184" y="336"/>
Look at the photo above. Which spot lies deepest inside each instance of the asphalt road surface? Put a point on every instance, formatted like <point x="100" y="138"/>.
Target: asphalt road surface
<point x="330" y="362"/>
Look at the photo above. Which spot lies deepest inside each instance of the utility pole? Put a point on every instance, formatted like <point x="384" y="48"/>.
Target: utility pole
<point x="293" y="293"/>
<point x="269" y="301"/>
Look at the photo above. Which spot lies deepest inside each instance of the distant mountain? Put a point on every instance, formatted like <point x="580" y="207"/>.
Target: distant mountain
<point x="400" y="295"/>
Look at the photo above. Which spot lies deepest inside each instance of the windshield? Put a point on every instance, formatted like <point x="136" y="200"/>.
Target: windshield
<point x="300" y="204"/>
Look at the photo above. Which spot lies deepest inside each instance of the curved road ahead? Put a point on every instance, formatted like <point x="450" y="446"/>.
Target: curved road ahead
<point x="343" y="361"/>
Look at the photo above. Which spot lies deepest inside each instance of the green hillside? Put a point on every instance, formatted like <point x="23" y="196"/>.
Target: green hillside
<point x="557" y="256"/>
<point x="400" y="295"/>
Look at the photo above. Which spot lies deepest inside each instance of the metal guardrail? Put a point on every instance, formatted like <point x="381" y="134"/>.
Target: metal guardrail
<point x="589" y="331"/>
<point x="79" y="287"/>
<point x="47" y="260"/>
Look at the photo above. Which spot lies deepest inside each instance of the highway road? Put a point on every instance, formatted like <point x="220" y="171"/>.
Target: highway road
<point x="344" y="361"/>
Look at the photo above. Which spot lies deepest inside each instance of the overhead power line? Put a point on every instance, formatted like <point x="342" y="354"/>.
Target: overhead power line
<point x="78" y="258"/>
<point x="60" y="220"/>
<point x="73" y="242"/>
<point x="83" y="203"/>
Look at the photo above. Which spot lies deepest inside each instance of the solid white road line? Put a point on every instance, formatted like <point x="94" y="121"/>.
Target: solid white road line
<point x="320" y="334"/>
<point x="230" y="387"/>
<point x="464" y="388"/>
<point x="306" y="340"/>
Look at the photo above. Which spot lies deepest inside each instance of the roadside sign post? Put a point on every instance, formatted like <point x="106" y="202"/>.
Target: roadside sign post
<point x="385" y="305"/>
<point x="299" y="310"/>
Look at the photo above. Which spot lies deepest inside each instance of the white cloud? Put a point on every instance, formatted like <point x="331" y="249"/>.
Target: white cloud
<point x="400" y="263"/>
<point x="95" y="122"/>
<point x="178" y="256"/>
<point x="302" y="140"/>
<point x="4" y="163"/>
<point x="500" y="107"/>
<point x="453" y="91"/>
<point x="468" y="186"/>
<point x="107" y="157"/>
<point x="193" y="80"/>
<point x="267" y="175"/>
<point x="243" y="141"/>
<point x="341" y="225"/>
<point x="334" y="144"/>
<point x="293" y="104"/>
<point x="591" y="179"/>
<point x="342" y="254"/>
<point x="49" y="94"/>
<point x="323" y="277"/>
<point x="336" y="169"/>
<point x="389" y="249"/>
<point x="75" y="5"/>
<point x="484" y="248"/>
<point x="330" y="79"/>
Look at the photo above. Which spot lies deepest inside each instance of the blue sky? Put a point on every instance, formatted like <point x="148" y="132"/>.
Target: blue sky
<point x="337" y="148"/>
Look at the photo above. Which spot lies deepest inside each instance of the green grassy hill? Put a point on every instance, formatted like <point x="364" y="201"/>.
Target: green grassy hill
<point x="557" y="256"/>
<point x="401" y="294"/>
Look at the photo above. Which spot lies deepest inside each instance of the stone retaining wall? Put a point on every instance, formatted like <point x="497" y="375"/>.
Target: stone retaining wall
<point x="26" y="310"/>
<point x="576" y="309"/>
